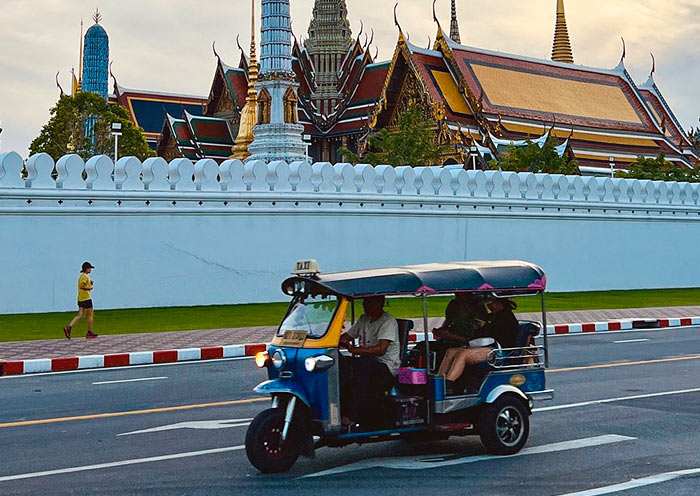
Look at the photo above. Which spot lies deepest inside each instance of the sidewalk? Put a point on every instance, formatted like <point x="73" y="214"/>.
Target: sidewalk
<point x="127" y="343"/>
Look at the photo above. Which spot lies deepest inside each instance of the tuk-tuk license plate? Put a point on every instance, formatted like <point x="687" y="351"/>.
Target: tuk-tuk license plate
<point x="294" y="338"/>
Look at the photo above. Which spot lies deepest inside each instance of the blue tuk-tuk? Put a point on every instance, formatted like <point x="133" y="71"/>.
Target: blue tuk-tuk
<point x="303" y="364"/>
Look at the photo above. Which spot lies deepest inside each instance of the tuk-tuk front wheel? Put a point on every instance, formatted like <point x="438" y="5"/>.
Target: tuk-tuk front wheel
<point x="504" y="426"/>
<point x="264" y="446"/>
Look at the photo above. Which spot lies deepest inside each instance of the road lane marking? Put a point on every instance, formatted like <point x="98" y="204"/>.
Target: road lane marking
<point x="437" y="461"/>
<point x="635" y="483"/>
<point x="121" y="463"/>
<point x="130" y="380"/>
<point x="614" y="400"/>
<point x="133" y="412"/>
<point x="625" y="364"/>
<point x="631" y="341"/>
<point x="202" y="424"/>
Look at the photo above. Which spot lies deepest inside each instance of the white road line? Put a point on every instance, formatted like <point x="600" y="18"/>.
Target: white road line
<point x="645" y="481"/>
<point x="121" y="463"/>
<point x="614" y="400"/>
<point x="423" y="462"/>
<point x="130" y="380"/>
<point x="631" y="341"/>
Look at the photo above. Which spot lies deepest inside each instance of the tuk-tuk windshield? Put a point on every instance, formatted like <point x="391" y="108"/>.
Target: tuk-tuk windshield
<point x="311" y="314"/>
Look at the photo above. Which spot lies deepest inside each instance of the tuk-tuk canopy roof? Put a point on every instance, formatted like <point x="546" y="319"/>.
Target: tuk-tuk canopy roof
<point x="437" y="278"/>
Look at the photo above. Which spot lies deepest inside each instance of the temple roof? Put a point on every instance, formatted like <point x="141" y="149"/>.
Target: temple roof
<point x="148" y="109"/>
<point x="521" y="87"/>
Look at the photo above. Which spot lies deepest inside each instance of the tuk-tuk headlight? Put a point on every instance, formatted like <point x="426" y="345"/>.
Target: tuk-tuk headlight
<point x="262" y="359"/>
<point x="279" y="359"/>
<point x="318" y="363"/>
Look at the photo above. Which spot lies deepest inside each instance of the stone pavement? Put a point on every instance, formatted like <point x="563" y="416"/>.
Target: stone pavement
<point x="123" y="343"/>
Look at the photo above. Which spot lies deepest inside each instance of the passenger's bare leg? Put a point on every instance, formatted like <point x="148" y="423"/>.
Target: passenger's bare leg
<point x="468" y="356"/>
<point x="449" y="357"/>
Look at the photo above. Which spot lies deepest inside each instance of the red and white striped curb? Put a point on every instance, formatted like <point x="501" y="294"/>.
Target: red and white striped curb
<point x="589" y="327"/>
<point x="20" y="367"/>
<point x="621" y="325"/>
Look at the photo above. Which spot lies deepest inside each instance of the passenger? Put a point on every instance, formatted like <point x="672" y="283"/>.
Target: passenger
<point x="379" y="350"/>
<point x="502" y="326"/>
<point x="462" y="315"/>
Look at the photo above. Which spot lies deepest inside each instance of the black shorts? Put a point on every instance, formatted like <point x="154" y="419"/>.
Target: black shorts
<point x="85" y="304"/>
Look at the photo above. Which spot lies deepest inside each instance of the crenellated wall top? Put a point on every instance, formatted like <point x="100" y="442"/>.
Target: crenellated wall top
<point x="155" y="179"/>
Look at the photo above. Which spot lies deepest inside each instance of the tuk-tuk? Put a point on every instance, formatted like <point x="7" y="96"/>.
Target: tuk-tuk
<point x="304" y="360"/>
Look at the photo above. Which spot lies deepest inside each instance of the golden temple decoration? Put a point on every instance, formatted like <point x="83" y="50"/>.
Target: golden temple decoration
<point x="561" y="49"/>
<point x="249" y="114"/>
<point x="291" y="102"/>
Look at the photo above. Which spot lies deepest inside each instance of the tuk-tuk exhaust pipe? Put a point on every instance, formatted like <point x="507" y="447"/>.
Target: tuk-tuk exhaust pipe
<point x="288" y="416"/>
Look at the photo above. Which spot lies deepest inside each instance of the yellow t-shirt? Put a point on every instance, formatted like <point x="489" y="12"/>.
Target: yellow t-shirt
<point x="84" y="280"/>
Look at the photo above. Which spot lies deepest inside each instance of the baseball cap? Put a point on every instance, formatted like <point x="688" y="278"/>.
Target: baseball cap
<point x="87" y="265"/>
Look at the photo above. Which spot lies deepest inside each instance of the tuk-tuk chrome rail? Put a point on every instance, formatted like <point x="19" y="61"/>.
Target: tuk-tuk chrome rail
<point x="529" y="357"/>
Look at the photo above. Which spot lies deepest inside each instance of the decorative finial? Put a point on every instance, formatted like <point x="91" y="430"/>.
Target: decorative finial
<point x="624" y="49"/>
<point x="396" y="18"/>
<point x="213" y="48"/>
<point x="435" y="18"/>
<point x="653" y="66"/>
<point x="362" y="28"/>
<point x="371" y="38"/>
<point x="59" y="85"/>
<point x="97" y="17"/>
<point x="430" y="42"/>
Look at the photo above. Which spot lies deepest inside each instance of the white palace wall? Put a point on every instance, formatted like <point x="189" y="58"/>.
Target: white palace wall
<point x="183" y="234"/>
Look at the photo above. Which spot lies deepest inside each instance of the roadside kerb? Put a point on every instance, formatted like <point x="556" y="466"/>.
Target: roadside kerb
<point x="21" y="367"/>
<point x="34" y="366"/>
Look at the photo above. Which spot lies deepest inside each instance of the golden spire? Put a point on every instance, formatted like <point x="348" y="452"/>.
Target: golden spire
<point x="249" y="114"/>
<point x="454" y="25"/>
<point x="561" y="49"/>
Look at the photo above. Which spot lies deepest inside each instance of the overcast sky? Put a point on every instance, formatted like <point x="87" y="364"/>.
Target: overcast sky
<point x="165" y="45"/>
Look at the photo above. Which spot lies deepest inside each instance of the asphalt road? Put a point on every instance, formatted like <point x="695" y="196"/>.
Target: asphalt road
<point x="179" y="430"/>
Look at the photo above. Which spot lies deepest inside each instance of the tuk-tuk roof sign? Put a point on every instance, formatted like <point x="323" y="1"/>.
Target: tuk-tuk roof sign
<point x="436" y="278"/>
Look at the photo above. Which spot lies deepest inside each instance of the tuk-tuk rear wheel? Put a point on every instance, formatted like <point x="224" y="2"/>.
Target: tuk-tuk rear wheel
<point x="505" y="425"/>
<point x="264" y="446"/>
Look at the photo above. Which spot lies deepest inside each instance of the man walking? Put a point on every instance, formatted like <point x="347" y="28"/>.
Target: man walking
<point x="85" y="309"/>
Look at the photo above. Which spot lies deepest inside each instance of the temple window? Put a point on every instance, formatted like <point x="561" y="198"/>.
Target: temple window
<point x="264" y="101"/>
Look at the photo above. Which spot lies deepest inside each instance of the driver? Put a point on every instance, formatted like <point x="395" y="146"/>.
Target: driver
<point x="379" y="352"/>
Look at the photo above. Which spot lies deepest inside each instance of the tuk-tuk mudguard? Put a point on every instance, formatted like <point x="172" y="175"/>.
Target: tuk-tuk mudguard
<point x="282" y="386"/>
<point x="501" y="390"/>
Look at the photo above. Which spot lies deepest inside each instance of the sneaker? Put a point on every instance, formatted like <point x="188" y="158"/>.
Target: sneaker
<point x="91" y="335"/>
<point x="66" y="331"/>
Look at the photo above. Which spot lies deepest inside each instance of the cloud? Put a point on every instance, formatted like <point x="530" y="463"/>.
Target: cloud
<point x="165" y="45"/>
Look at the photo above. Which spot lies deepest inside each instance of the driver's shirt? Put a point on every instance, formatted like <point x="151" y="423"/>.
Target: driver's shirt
<point x="369" y="334"/>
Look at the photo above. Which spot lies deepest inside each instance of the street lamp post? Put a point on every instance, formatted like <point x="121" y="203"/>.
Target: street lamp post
<point x="116" y="132"/>
<point x="307" y="143"/>
<point x="612" y="166"/>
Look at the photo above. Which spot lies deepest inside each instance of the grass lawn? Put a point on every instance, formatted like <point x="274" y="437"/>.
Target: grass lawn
<point x="48" y="325"/>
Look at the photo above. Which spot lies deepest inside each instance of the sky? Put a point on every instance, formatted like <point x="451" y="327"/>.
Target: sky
<point x="165" y="45"/>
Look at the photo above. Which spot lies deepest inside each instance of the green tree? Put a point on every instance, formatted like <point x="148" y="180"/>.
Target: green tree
<point x="658" y="169"/>
<point x="532" y="158"/>
<point x="411" y="143"/>
<point x="65" y="131"/>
